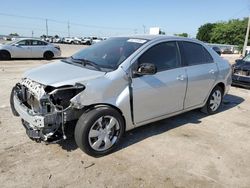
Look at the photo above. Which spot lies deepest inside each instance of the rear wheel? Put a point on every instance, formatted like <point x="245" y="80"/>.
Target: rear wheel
<point x="99" y="131"/>
<point x="214" y="101"/>
<point x="5" y="55"/>
<point x="48" y="55"/>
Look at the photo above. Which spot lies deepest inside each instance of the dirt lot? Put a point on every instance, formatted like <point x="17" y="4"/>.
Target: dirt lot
<point x="189" y="150"/>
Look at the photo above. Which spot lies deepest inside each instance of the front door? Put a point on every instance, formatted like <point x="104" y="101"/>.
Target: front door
<point x="22" y="49"/>
<point x="164" y="92"/>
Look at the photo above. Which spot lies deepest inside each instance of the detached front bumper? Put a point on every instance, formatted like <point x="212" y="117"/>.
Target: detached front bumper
<point x="38" y="127"/>
<point x="27" y="115"/>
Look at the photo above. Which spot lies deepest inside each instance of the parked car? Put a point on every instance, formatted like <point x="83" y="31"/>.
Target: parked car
<point x="241" y="72"/>
<point x="68" y="40"/>
<point x="96" y="40"/>
<point x="226" y="51"/>
<point x="29" y="48"/>
<point x="217" y="50"/>
<point x="72" y="40"/>
<point x="57" y="40"/>
<point x="117" y="85"/>
<point x="86" y="41"/>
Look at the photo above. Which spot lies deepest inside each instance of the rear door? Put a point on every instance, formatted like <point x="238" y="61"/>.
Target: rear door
<point x="38" y="48"/>
<point x="162" y="93"/>
<point x="201" y="70"/>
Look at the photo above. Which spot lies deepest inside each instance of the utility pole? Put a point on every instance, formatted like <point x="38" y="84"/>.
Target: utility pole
<point x="47" y="30"/>
<point x="144" y="28"/>
<point x="32" y="34"/>
<point x="68" y="29"/>
<point x="246" y="39"/>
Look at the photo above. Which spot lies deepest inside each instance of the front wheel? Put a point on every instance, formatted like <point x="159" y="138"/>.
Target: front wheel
<point x="5" y="55"/>
<point x="214" y="101"/>
<point x="99" y="131"/>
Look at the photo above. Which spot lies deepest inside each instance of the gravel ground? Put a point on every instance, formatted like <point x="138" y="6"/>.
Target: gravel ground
<point x="189" y="150"/>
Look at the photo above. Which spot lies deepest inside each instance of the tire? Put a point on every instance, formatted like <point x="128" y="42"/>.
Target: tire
<point x="14" y="112"/>
<point x="214" y="101"/>
<point x="48" y="55"/>
<point x="5" y="55"/>
<point x="92" y="134"/>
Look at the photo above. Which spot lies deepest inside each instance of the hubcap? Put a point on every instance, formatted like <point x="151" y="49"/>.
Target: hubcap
<point x="104" y="133"/>
<point x="215" y="100"/>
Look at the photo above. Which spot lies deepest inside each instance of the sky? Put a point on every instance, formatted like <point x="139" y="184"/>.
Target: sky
<point x="114" y="17"/>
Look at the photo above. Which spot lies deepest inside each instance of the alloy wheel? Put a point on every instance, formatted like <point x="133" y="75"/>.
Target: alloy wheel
<point x="215" y="100"/>
<point x="103" y="133"/>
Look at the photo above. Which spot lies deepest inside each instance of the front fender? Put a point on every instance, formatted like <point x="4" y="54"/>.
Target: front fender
<point x="113" y="92"/>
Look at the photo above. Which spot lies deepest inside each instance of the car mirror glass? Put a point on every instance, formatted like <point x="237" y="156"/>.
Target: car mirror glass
<point x="145" y="69"/>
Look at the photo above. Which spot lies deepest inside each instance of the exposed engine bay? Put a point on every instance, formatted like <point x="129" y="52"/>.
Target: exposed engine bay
<point x="45" y="109"/>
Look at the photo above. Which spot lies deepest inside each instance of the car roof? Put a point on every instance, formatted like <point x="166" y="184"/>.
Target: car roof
<point x="18" y="39"/>
<point x="156" y="37"/>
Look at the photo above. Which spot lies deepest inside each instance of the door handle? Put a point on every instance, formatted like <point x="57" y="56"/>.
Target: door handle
<point x="212" y="71"/>
<point x="180" y="77"/>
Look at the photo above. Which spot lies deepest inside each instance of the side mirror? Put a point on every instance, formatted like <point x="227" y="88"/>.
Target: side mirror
<point x="145" y="69"/>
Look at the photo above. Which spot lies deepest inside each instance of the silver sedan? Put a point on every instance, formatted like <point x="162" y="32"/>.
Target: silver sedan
<point x="117" y="85"/>
<point x="29" y="48"/>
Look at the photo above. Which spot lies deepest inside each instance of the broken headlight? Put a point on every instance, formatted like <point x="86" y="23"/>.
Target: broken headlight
<point x="61" y="96"/>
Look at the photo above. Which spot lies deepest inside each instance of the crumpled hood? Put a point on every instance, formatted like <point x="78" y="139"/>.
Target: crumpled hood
<point x="59" y="73"/>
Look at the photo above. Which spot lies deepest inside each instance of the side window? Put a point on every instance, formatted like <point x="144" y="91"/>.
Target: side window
<point x="196" y="54"/>
<point x="38" y="43"/>
<point x="34" y="42"/>
<point x="207" y="57"/>
<point x="164" y="56"/>
<point x="24" y="43"/>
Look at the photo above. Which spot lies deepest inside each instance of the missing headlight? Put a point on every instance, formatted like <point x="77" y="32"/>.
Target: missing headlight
<point x="61" y="96"/>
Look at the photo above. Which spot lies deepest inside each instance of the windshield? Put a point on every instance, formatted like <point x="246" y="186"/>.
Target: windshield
<point x="11" y="42"/>
<point x="247" y="58"/>
<point x="110" y="53"/>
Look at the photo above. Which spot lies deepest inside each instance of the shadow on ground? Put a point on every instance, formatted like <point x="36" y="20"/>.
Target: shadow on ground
<point x="159" y="127"/>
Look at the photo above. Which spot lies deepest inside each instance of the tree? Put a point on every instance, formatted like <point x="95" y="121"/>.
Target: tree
<point x="181" y="35"/>
<point x="205" y="32"/>
<point x="231" y="32"/>
<point x="43" y="36"/>
<point x="13" y="35"/>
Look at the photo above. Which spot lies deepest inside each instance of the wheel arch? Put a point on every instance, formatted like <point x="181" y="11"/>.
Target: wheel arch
<point x="4" y="50"/>
<point x="48" y="51"/>
<point x="222" y="86"/>
<point x="97" y="105"/>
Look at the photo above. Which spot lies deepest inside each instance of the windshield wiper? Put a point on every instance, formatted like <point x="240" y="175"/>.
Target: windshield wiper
<point x="87" y="62"/>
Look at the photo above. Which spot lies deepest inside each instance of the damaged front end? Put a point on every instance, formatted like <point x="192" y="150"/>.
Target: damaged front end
<point x="44" y="110"/>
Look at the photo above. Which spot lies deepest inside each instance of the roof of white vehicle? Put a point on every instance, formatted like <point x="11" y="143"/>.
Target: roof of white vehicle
<point x="18" y="39"/>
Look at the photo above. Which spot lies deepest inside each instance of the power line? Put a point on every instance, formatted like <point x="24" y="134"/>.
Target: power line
<point x="28" y="28"/>
<point x="65" y="22"/>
